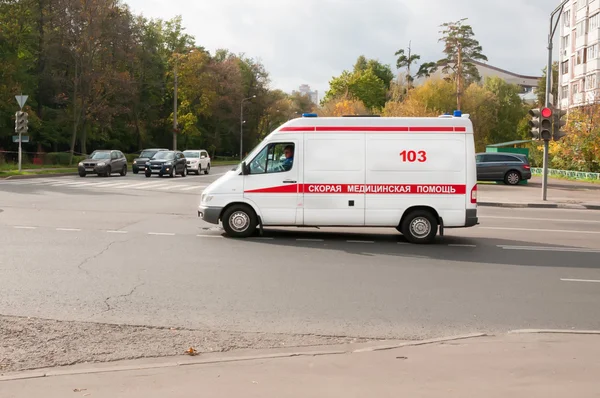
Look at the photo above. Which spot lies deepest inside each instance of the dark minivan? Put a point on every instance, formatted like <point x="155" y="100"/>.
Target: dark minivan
<point x="511" y="168"/>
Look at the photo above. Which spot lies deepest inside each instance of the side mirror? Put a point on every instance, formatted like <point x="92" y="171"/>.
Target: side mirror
<point x="245" y="169"/>
<point x="202" y="157"/>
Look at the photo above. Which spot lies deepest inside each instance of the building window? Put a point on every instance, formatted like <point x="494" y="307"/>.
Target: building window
<point x="564" y="92"/>
<point x="582" y="28"/>
<point x="595" y="21"/>
<point x="592" y="52"/>
<point x="591" y="82"/>
<point x="567" y="18"/>
<point x="564" y="42"/>
<point x="564" y="66"/>
<point x="575" y="88"/>
<point x="581" y="4"/>
<point x="580" y="58"/>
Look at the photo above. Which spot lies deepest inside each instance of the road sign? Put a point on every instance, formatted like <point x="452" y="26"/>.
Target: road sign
<point x="24" y="138"/>
<point x="21" y="100"/>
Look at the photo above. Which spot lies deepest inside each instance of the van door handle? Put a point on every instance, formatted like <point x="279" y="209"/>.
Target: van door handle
<point x="289" y="182"/>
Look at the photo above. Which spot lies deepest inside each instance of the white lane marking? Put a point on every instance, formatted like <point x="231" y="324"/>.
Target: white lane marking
<point x="459" y="245"/>
<point x="550" y="249"/>
<point x="310" y="240"/>
<point x="194" y="187"/>
<point x="142" y="184"/>
<point x="119" y="185"/>
<point x="209" y="236"/>
<point x="116" y="232"/>
<point x="68" y="229"/>
<point x="161" y="233"/>
<point x="23" y="227"/>
<point x="544" y="219"/>
<point x="148" y="185"/>
<point x="174" y="186"/>
<point x="360" y="241"/>
<point x="567" y="231"/>
<point x="580" y="280"/>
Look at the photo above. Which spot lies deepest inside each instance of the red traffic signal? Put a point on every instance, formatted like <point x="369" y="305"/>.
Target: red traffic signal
<point x="546" y="112"/>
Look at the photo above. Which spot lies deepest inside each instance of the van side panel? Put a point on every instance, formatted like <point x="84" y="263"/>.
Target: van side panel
<point x="334" y="163"/>
<point x="415" y="169"/>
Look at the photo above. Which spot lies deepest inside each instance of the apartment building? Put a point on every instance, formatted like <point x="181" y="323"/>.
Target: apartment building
<point x="579" y="54"/>
<point x="304" y="89"/>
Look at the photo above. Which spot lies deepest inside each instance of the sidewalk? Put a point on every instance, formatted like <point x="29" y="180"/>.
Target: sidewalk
<point x="515" y="364"/>
<point x="560" y="194"/>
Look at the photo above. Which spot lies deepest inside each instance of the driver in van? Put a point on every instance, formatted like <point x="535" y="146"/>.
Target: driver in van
<point x="288" y="151"/>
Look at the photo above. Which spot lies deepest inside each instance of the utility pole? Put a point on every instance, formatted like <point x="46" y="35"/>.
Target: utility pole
<point x="175" y="109"/>
<point x="553" y="26"/>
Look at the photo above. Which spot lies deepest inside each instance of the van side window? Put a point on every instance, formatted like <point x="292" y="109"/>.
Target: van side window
<point x="274" y="158"/>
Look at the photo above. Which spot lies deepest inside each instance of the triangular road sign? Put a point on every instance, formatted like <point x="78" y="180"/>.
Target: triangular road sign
<point x="21" y="100"/>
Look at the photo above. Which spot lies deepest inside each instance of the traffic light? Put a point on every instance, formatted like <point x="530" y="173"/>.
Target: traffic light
<point x="557" y="133"/>
<point x="21" y="122"/>
<point x="534" y="123"/>
<point x="546" y="120"/>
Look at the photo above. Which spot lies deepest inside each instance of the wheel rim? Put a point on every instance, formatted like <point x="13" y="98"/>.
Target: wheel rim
<point x="420" y="227"/>
<point x="239" y="221"/>
<point x="513" y="178"/>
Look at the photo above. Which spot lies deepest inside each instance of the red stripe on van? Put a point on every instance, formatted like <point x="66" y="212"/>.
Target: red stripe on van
<point x="377" y="189"/>
<point x="376" y="129"/>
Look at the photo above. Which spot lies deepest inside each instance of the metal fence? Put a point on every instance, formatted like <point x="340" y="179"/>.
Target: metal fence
<point x="576" y="175"/>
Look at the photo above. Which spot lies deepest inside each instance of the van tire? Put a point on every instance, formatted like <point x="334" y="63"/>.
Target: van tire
<point x="419" y="226"/>
<point x="512" y="177"/>
<point x="239" y="221"/>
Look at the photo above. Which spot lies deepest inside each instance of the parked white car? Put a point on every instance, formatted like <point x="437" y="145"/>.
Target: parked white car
<point x="198" y="160"/>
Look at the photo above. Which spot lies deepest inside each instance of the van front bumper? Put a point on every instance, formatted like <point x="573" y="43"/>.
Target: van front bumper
<point x="210" y="214"/>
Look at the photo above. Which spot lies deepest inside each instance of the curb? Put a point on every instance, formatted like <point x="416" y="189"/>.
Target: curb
<point x="36" y="374"/>
<point x="540" y="205"/>
<point x="28" y="176"/>
<point x="555" y="331"/>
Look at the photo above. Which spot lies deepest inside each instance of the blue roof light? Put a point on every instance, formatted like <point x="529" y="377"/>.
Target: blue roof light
<point x="457" y="113"/>
<point x="309" y="115"/>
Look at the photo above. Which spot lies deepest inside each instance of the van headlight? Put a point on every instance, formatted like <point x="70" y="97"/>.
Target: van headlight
<point x="205" y="198"/>
<point x="80" y="164"/>
<point x="101" y="164"/>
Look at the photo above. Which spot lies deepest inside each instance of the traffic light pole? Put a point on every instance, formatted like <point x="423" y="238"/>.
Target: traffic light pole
<point x="553" y="26"/>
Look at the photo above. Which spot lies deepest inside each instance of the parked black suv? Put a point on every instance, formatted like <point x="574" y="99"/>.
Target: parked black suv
<point x="511" y="168"/>
<point x="139" y="164"/>
<point x="103" y="163"/>
<point x="167" y="162"/>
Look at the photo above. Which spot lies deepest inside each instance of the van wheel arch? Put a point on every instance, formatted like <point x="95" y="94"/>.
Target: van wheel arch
<point x="424" y="214"/>
<point x="253" y="215"/>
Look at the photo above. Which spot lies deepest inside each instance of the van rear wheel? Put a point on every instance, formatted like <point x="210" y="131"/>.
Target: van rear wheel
<point x="420" y="226"/>
<point x="239" y="221"/>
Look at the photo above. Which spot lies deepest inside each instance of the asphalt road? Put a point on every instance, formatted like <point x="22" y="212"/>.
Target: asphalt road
<point x="131" y="250"/>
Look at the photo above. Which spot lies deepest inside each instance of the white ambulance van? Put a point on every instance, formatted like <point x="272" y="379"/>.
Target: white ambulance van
<point x="417" y="175"/>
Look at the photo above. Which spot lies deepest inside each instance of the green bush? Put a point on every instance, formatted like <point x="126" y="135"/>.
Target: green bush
<point x="61" y="158"/>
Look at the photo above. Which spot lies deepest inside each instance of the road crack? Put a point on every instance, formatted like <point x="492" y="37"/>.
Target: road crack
<point x="106" y="301"/>
<point x="95" y="256"/>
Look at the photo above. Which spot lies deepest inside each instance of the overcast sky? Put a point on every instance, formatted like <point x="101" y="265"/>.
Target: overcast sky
<point x="311" y="41"/>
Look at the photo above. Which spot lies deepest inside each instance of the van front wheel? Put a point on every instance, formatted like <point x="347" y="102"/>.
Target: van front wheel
<point x="420" y="226"/>
<point x="239" y="221"/>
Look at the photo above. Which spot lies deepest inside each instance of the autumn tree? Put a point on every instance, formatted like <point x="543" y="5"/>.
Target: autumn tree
<point x="461" y="50"/>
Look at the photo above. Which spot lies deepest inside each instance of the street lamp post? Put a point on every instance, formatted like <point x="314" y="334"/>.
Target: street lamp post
<point x="175" y="108"/>
<point x="242" y="126"/>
